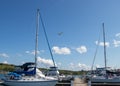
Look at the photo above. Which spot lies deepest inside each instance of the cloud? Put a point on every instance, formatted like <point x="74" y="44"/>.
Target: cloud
<point x="63" y="50"/>
<point x="83" y="66"/>
<point x="79" y="66"/>
<point x="3" y="55"/>
<point x="116" y="43"/>
<point x="107" y="44"/>
<point x="81" y="49"/>
<point x="72" y="66"/>
<point x="47" y="62"/>
<point x="5" y="62"/>
<point x="118" y="35"/>
<point x="59" y="64"/>
<point x="32" y="52"/>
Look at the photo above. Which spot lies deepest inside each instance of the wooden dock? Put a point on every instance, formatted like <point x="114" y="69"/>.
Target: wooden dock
<point x="78" y="82"/>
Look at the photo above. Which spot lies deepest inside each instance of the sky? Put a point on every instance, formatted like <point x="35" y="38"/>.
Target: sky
<point x="74" y="30"/>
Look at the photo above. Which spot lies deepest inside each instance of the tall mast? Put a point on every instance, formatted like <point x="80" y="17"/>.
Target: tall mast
<point x="36" y="40"/>
<point x="104" y="48"/>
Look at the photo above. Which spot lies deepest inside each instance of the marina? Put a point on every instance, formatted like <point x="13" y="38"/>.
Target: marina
<point x="59" y="43"/>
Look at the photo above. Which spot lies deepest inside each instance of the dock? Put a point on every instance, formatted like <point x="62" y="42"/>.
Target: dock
<point x="75" y="82"/>
<point x="78" y="82"/>
<point x="83" y="82"/>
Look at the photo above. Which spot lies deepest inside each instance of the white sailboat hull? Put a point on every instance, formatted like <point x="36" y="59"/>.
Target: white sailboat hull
<point x="30" y="83"/>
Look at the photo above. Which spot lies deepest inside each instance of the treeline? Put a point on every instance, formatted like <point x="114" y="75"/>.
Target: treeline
<point x="68" y="72"/>
<point x="10" y="67"/>
<point x="6" y="67"/>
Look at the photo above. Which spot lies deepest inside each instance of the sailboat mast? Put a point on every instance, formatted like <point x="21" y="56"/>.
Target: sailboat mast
<point x="104" y="48"/>
<point x="36" y="40"/>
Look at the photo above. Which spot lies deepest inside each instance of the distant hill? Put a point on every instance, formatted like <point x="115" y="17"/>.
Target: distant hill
<point x="6" y="67"/>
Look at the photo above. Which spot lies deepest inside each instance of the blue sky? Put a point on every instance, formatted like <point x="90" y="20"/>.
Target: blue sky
<point x="78" y="21"/>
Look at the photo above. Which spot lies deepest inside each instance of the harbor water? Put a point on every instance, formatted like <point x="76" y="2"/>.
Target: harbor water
<point x="1" y="76"/>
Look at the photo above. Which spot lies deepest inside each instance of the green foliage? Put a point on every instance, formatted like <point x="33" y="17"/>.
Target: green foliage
<point x="68" y="72"/>
<point x="6" y="67"/>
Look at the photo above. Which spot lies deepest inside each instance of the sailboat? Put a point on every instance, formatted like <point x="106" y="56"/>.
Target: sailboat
<point x="31" y="75"/>
<point x="102" y="75"/>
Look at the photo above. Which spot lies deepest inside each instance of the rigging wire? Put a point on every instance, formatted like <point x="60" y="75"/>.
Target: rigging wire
<point x="47" y="39"/>
<point x="97" y="46"/>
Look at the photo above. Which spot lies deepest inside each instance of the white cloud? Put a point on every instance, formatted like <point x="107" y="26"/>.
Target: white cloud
<point x="64" y="50"/>
<point x="47" y="62"/>
<point x="79" y="66"/>
<point x="27" y="52"/>
<point x="117" y="35"/>
<point x="32" y="52"/>
<point x="72" y="66"/>
<point x="116" y="43"/>
<point x="81" y="49"/>
<point x="107" y="44"/>
<point x="3" y="55"/>
<point x="5" y="62"/>
<point x="59" y="64"/>
<point x="83" y="66"/>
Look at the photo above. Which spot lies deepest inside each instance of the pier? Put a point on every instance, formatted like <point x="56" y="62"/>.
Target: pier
<point x="78" y="82"/>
